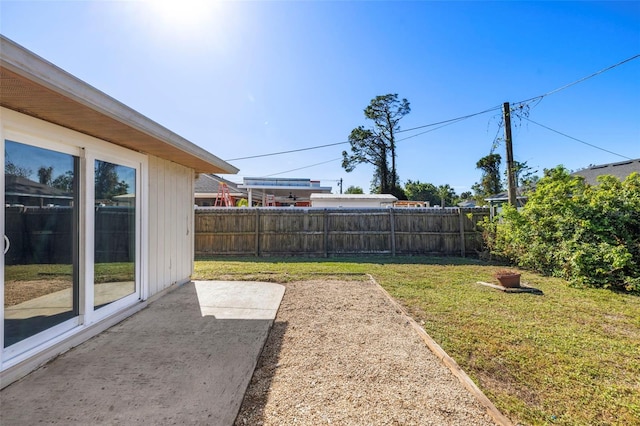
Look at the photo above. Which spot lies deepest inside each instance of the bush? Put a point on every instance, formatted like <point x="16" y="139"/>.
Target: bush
<point x="589" y="235"/>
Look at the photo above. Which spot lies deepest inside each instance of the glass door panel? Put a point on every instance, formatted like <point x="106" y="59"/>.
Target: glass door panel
<point x="41" y="272"/>
<point x="115" y="232"/>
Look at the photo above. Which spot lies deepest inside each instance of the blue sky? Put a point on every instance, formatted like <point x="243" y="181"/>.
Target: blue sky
<point x="249" y="78"/>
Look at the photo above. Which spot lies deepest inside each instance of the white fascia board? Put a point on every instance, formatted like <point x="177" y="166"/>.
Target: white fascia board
<point x="377" y="197"/>
<point x="291" y="188"/>
<point x="37" y="69"/>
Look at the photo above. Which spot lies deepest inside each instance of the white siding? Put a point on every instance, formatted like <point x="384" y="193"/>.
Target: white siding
<point x="170" y="224"/>
<point x="352" y="200"/>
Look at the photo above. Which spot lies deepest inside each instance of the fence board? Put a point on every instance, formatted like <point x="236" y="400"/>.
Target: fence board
<point x="42" y="235"/>
<point x="336" y="232"/>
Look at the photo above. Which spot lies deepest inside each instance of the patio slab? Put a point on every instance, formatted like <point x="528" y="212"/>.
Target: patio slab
<point x="185" y="359"/>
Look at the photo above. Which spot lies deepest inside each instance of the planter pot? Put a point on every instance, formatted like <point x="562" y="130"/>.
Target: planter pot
<point x="509" y="281"/>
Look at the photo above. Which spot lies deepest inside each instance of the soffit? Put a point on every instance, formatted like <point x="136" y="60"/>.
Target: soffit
<point x="80" y="107"/>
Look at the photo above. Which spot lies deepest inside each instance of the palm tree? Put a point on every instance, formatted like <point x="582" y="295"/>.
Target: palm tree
<point x="446" y="193"/>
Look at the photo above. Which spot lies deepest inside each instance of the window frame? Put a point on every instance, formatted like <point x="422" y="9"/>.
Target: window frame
<point x="92" y="314"/>
<point x="27" y="130"/>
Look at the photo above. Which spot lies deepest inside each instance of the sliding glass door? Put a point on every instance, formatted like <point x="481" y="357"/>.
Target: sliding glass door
<point x="41" y="243"/>
<point x="72" y="238"/>
<point x="115" y="233"/>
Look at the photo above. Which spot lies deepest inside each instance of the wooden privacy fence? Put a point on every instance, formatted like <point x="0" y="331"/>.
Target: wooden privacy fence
<point x="267" y="231"/>
<point x="47" y="235"/>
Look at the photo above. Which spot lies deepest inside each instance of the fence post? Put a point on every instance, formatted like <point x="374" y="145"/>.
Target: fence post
<point x="257" y="232"/>
<point x="462" y="243"/>
<point x="393" y="231"/>
<point x="326" y="233"/>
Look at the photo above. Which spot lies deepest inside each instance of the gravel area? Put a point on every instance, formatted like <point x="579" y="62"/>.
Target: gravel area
<point x="16" y="292"/>
<point x="341" y="353"/>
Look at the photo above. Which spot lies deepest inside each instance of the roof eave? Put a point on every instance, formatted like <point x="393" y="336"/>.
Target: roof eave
<point x="34" y="74"/>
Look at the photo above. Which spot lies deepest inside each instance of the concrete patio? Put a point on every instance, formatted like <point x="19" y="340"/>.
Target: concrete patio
<point x="185" y="359"/>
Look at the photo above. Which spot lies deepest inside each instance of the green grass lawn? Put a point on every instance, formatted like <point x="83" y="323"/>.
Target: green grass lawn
<point x="569" y="357"/>
<point x="104" y="272"/>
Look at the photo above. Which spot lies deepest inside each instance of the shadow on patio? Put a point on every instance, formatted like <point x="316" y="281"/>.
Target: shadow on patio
<point x="185" y="359"/>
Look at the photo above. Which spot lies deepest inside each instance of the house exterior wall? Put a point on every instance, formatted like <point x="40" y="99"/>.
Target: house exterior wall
<point x="351" y="200"/>
<point x="164" y="237"/>
<point x="348" y="203"/>
<point x="171" y="217"/>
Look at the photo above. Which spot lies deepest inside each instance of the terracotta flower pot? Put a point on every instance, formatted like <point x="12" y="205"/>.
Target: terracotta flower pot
<point x="511" y="280"/>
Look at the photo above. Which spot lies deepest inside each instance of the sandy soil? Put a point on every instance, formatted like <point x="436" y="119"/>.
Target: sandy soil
<point x="16" y="292"/>
<point x="341" y="353"/>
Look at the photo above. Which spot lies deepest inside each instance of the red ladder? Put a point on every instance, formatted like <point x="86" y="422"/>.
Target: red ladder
<point x="223" y="199"/>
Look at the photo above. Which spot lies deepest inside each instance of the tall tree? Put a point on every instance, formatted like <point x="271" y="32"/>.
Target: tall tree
<point x="354" y="190"/>
<point x="525" y="175"/>
<point x="377" y="146"/>
<point x="106" y="181"/>
<point x="45" y="174"/>
<point x="64" y="181"/>
<point x="490" y="183"/>
<point x="467" y="195"/>
<point x="418" y="191"/>
<point x="367" y="147"/>
<point x="446" y="194"/>
<point x="12" y="169"/>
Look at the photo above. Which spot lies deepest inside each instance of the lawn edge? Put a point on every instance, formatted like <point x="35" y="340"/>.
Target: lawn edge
<point x="449" y="362"/>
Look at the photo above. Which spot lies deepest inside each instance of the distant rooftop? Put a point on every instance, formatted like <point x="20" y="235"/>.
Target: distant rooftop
<point x="620" y="170"/>
<point x="280" y="183"/>
<point x="209" y="185"/>
<point x="381" y="197"/>
<point x="285" y="191"/>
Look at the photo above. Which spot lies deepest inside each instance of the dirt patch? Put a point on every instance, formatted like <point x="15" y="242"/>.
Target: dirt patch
<point x="340" y="353"/>
<point x="16" y="292"/>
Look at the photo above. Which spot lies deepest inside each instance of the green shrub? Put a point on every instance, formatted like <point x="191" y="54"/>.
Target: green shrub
<point x="589" y="235"/>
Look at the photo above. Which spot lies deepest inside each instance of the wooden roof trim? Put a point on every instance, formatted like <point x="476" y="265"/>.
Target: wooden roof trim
<point x="45" y="78"/>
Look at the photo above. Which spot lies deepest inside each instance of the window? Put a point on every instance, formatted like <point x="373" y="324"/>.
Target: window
<point x="115" y="232"/>
<point x="41" y="277"/>
<point x="72" y="233"/>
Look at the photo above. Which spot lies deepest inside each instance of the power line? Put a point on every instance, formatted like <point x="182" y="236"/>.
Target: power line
<point x="580" y="80"/>
<point x="288" y="152"/>
<point x="494" y="144"/>
<point x="444" y="123"/>
<point x="464" y="117"/>
<point x="304" y="167"/>
<point x="336" y="159"/>
<point x="449" y="121"/>
<point x="576" y="139"/>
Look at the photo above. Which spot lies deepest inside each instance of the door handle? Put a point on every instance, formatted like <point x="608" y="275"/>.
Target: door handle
<point x="7" y="244"/>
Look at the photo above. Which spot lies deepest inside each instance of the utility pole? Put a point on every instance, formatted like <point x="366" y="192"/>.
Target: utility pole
<point x="340" y="183"/>
<point x="511" y="179"/>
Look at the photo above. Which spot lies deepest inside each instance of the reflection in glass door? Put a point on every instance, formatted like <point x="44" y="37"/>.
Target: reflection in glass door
<point x="41" y="240"/>
<point x="115" y="232"/>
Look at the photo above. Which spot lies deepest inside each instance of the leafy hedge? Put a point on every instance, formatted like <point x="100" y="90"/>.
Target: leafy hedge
<point x="589" y="235"/>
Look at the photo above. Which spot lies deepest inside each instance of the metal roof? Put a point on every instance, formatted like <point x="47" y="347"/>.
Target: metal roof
<point x="33" y="86"/>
